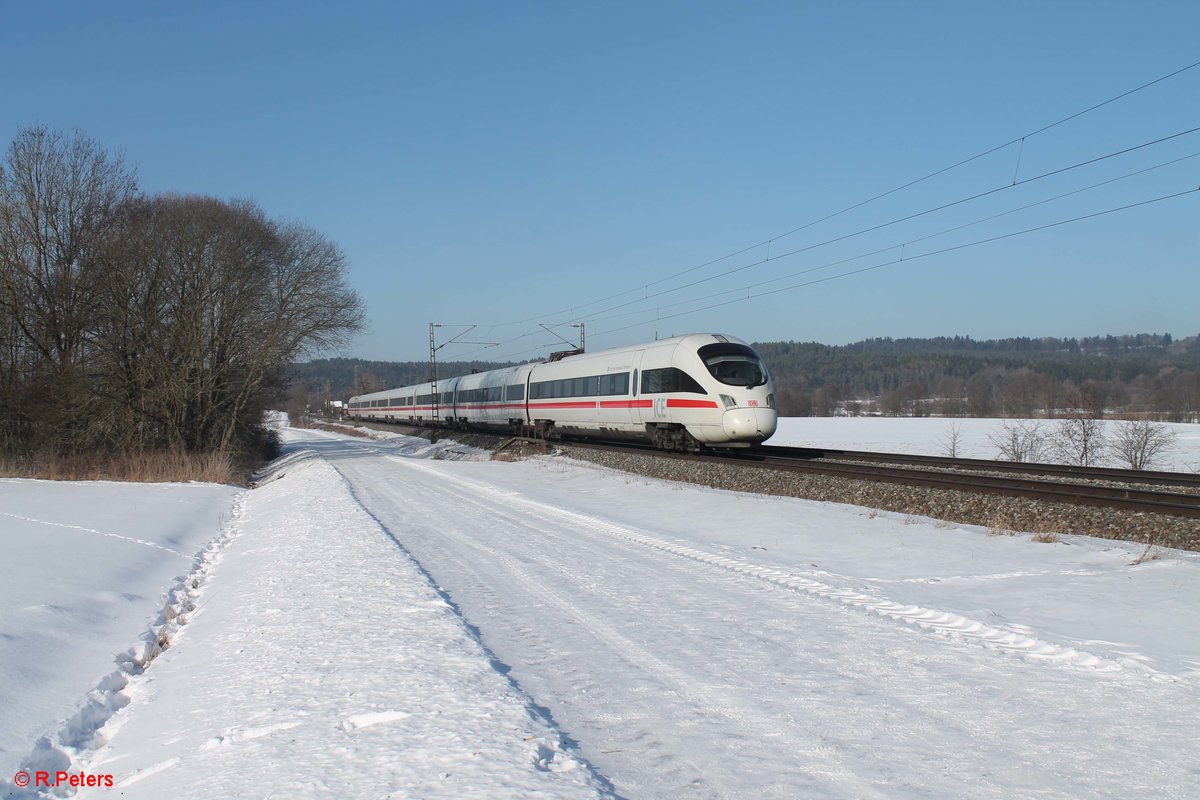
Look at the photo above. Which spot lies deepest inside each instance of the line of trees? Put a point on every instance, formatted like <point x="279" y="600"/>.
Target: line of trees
<point x="132" y="322"/>
<point x="1147" y="374"/>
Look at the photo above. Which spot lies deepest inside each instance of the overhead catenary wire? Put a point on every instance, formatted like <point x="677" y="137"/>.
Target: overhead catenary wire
<point x="909" y="259"/>
<point x="963" y="162"/>
<point x="600" y="314"/>
<point x="902" y="245"/>
<point x="907" y="218"/>
<point x="750" y="295"/>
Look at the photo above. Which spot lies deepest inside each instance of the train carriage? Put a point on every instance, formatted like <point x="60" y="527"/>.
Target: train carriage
<point x="493" y="400"/>
<point x="680" y="393"/>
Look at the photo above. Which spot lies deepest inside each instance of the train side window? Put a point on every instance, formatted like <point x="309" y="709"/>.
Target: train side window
<point x="686" y="383"/>
<point x="669" y="379"/>
<point x="614" y="384"/>
<point x="635" y="383"/>
<point x="515" y="392"/>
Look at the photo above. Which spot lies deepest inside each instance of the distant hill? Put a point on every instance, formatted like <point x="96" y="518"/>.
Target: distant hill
<point x="995" y="377"/>
<point x="957" y="375"/>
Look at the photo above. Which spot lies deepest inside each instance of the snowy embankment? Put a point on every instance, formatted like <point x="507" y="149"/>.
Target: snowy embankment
<point x="405" y="618"/>
<point x="703" y="643"/>
<point x="321" y="662"/>
<point x="83" y="568"/>
<point x="930" y="436"/>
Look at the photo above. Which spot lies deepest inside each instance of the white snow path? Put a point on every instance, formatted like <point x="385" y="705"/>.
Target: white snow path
<point x="684" y="672"/>
<point x="321" y="663"/>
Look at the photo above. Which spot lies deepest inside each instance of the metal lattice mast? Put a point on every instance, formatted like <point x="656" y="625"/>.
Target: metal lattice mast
<point x="434" y="347"/>
<point x="433" y="370"/>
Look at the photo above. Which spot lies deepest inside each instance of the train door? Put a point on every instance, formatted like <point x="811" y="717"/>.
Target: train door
<point x="651" y="408"/>
<point x="632" y="416"/>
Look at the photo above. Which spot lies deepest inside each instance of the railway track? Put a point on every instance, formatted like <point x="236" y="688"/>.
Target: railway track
<point x="1047" y="482"/>
<point x="1120" y="489"/>
<point x="1145" y="477"/>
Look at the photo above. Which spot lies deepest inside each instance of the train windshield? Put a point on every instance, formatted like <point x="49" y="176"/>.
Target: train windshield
<point x="734" y="364"/>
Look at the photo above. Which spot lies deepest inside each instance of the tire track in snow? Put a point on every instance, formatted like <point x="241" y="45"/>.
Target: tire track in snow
<point x="818" y="763"/>
<point x="952" y="626"/>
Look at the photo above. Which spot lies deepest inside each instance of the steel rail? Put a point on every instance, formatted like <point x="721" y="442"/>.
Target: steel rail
<point x="982" y="465"/>
<point x="1126" y="499"/>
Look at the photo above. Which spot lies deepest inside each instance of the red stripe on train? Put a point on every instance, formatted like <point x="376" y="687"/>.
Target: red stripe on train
<point x="626" y="403"/>
<point x="590" y="404"/>
<point x="672" y="403"/>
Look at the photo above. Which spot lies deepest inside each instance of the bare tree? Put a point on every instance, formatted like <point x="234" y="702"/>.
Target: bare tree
<point x="1094" y="397"/>
<point x="207" y="301"/>
<point x="129" y="323"/>
<point x="951" y="441"/>
<point x="1021" y="393"/>
<point x="1020" y="440"/>
<point x="1079" y="440"/>
<point x="1140" y="443"/>
<point x="982" y="391"/>
<point x="951" y="397"/>
<point x="58" y="197"/>
<point x="825" y="401"/>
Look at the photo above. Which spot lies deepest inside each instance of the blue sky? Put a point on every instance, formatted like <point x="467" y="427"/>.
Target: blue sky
<point x="494" y="163"/>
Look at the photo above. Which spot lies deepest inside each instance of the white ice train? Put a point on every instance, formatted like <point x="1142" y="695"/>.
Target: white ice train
<point x="681" y="394"/>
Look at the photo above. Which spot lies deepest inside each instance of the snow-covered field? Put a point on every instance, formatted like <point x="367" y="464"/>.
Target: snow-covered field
<point x="83" y="567"/>
<point x="393" y="618"/>
<point x="929" y="435"/>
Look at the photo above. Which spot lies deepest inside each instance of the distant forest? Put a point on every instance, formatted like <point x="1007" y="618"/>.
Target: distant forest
<point x="1139" y="375"/>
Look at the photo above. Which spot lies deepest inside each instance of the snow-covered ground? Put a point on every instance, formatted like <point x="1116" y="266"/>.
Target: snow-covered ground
<point x="393" y="617"/>
<point x="929" y="436"/>
<point x="83" y="567"/>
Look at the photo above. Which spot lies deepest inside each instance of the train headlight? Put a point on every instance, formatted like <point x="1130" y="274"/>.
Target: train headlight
<point x="771" y="400"/>
<point x="728" y="401"/>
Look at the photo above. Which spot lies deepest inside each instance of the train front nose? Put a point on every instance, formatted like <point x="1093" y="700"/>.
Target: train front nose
<point x="749" y="424"/>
